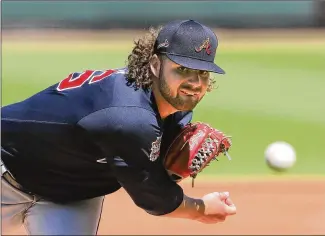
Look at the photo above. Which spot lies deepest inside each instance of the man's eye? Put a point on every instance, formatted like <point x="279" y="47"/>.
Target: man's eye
<point x="183" y="70"/>
<point x="204" y="73"/>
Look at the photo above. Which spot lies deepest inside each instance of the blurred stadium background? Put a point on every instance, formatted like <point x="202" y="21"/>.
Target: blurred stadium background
<point x="273" y="53"/>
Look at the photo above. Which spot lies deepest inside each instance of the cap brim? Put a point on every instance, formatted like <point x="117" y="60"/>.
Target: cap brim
<point x="195" y="64"/>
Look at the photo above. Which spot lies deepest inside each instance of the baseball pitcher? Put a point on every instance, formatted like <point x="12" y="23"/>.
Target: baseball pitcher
<point x="66" y="147"/>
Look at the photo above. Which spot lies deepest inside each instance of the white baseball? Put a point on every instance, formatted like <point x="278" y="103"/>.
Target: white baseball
<point x="280" y="155"/>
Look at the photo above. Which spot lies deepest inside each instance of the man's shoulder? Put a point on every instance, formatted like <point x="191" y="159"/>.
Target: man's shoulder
<point x="85" y="78"/>
<point x="75" y="96"/>
<point x="89" y="91"/>
<point x="123" y="119"/>
<point x="102" y="89"/>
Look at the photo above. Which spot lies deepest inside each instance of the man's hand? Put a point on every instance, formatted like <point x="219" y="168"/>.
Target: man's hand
<point x="217" y="207"/>
<point x="212" y="208"/>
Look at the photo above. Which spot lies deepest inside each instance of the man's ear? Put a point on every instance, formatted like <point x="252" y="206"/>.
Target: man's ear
<point x="155" y="65"/>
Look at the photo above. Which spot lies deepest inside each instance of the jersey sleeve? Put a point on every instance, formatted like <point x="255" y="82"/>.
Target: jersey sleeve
<point x="130" y="139"/>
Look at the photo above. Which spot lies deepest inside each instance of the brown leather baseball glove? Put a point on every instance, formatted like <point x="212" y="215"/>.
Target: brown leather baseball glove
<point x="193" y="149"/>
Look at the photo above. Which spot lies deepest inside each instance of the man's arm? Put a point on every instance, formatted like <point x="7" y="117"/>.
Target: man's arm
<point x="211" y="209"/>
<point x="190" y="208"/>
<point x="127" y="144"/>
<point x="131" y="146"/>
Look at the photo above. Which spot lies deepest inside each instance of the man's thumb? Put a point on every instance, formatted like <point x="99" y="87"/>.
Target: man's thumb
<point x="231" y="210"/>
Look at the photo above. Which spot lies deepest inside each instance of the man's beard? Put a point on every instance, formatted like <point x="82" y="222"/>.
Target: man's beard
<point x="182" y="103"/>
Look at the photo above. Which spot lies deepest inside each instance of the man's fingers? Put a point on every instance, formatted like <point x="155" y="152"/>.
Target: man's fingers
<point x="229" y="202"/>
<point x="230" y="210"/>
<point x="221" y="218"/>
<point x="219" y="204"/>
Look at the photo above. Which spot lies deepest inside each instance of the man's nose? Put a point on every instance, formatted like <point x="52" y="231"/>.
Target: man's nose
<point x="195" y="80"/>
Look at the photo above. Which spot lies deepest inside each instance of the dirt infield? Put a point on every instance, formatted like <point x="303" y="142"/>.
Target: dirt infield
<point x="264" y="208"/>
<point x="270" y="207"/>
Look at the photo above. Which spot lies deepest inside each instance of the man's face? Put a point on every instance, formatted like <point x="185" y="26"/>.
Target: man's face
<point x="181" y="87"/>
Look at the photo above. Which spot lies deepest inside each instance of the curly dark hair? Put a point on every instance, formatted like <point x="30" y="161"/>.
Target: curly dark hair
<point x="139" y="73"/>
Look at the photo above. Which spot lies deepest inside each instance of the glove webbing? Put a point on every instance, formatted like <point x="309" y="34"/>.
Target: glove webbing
<point x="202" y="155"/>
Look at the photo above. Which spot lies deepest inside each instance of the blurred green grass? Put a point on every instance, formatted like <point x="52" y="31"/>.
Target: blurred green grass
<point x="270" y="92"/>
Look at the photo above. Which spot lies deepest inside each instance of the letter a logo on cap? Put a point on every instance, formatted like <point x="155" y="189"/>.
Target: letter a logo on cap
<point x="205" y="45"/>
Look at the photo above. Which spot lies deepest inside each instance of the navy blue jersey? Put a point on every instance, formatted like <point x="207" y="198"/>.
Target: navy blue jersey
<point x="89" y="135"/>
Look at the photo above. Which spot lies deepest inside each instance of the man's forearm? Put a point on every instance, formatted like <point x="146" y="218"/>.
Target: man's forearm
<point x="191" y="208"/>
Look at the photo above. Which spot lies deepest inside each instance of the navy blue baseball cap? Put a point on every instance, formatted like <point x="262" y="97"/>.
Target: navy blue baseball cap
<point x="190" y="44"/>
